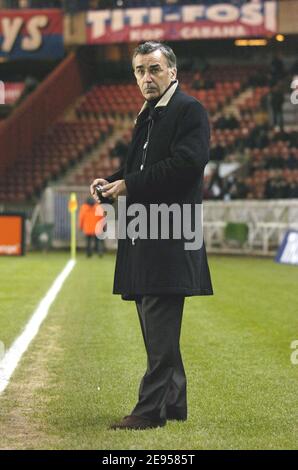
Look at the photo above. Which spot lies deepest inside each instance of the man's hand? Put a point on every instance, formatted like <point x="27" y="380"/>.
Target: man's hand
<point x="115" y="189"/>
<point x="93" y="190"/>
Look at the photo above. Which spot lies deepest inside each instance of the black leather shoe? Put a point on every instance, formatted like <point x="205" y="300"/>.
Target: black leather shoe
<point x="137" y="422"/>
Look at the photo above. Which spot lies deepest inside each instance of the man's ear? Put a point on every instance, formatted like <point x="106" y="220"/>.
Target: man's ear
<point x="173" y="73"/>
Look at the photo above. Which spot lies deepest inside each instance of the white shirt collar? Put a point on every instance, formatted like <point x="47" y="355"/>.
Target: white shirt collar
<point x="164" y="99"/>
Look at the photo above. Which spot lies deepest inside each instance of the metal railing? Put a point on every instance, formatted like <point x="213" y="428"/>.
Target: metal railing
<point x="267" y="221"/>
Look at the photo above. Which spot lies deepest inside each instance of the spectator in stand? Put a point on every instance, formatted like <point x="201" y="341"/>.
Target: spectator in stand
<point x="276" y="102"/>
<point x="258" y="137"/>
<point x="290" y="184"/>
<point x="277" y="69"/>
<point x="217" y="152"/>
<point x="248" y="181"/>
<point x="273" y="159"/>
<point x="293" y="139"/>
<point x="215" y="188"/>
<point x="294" y="68"/>
<point x="91" y="220"/>
<point x="259" y="78"/>
<point x="293" y="159"/>
<point x="284" y="158"/>
<point x="198" y="82"/>
<point x="281" y="135"/>
<point x="229" y="188"/>
<point x="121" y="148"/>
<point x="227" y="121"/>
<point x="292" y="181"/>
<point x="239" y="190"/>
<point x="276" y="186"/>
<point x="199" y="64"/>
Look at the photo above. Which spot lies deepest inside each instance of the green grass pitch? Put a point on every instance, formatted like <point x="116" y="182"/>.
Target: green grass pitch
<point x="83" y="369"/>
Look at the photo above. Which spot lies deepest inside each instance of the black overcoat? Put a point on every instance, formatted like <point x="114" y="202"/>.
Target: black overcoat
<point x="177" y="153"/>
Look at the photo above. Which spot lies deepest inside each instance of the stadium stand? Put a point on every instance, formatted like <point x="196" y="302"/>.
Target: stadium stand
<point x="61" y="147"/>
<point x="122" y="99"/>
<point x="92" y="138"/>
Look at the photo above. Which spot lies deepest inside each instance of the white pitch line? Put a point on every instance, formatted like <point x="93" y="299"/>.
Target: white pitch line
<point x="20" y="345"/>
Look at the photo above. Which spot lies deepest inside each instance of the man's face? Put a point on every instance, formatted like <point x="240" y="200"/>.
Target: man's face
<point x="153" y="74"/>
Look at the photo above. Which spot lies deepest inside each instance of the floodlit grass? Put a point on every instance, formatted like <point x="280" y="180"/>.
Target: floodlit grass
<point x="23" y="283"/>
<point x="83" y="370"/>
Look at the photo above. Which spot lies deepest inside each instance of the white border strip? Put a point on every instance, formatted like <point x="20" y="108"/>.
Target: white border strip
<point x="20" y="345"/>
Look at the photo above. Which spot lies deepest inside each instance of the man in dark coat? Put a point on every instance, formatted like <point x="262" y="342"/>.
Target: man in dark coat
<point x="164" y="166"/>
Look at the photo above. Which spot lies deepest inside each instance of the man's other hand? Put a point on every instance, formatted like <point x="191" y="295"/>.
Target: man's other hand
<point x="115" y="189"/>
<point x="93" y="190"/>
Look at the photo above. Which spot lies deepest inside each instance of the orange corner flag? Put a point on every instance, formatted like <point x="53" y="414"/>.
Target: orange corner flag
<point x="72" y="204"/>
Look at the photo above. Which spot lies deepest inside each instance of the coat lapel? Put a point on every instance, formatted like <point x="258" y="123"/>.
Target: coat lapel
<point x="142" y="118"/>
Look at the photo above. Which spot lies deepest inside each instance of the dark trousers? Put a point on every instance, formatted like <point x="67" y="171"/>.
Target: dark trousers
<point x="97" y="243"/>
<point x="162" y="391"/>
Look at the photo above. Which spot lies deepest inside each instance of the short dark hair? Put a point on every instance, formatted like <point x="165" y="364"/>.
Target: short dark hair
<point x="151" y="46"/>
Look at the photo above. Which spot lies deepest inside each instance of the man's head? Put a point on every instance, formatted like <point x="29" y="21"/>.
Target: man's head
<point x="154" y="66"/>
